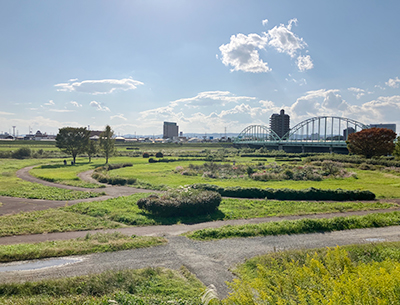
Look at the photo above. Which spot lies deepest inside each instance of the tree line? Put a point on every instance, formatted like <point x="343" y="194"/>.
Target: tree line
<point x="76" y="140"/>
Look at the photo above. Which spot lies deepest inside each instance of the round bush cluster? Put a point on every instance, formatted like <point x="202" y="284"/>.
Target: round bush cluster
<point x="181" y="203"/>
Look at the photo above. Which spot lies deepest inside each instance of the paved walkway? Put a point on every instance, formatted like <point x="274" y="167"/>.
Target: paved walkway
<point x="209" y="261"/>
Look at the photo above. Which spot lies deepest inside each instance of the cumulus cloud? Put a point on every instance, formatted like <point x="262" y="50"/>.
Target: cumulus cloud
<point x="243" y="51"/>
<point x="118" y="116"/>
<point x="75" y="104"/>
<point x="394" y="83"/>
<point x="50" y="103"/>
<point x="103" y="86"/>
<point x="304" y="63"/>
<point x="284" y="40"/>
<point x="98" y="106"/>
<point x="357" y="91"/>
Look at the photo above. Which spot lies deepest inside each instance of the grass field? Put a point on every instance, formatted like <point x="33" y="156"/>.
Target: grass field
<point x="149" y="286"/>
<point x="301" y="226"/>
<point x="12" y="186"/>
<point x="91" y="243"/>
<point x="122" y="211"/>
<point x="384" y="185"/>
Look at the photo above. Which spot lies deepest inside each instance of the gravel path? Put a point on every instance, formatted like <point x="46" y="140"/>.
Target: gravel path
<point x="209" y="261"/>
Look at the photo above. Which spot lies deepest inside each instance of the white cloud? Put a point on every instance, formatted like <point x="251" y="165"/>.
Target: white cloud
<point x="358" y="92"/>
<point x="61" y="110"/>
<point x="50" y="103"/>
<point x="103" y="86"/>
<point x="242" y="53"/>
<point x="73" y="80"/>
<point x="118" y="116"/>
<point x="304" y="63"/>
<point x="6" y="113"/>
<point x="284" y="40"/>
<point x="394" y="83"/>
<point x="98" y="106"/>
<point x="76" y="104"/>
<point x="211" y="98"/>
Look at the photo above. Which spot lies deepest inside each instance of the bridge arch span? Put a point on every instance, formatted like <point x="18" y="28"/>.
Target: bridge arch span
<point x="257" y="134"/>
<point x="326" y="128"/>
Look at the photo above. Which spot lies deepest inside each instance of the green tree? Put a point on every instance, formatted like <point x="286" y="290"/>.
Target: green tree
<point x="372" y="142"/>
<point x="92" y="149"/>
<point x="107" y="142"/>
<point x="72" y="140"/>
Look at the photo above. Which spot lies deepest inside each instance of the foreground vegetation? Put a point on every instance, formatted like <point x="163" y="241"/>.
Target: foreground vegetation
<point x="357" y="274"/>
<point x="122" y="211"/>
<point x="91" y="243"/>
<point x="300" y="226"/>
<point x="149" y="286"/>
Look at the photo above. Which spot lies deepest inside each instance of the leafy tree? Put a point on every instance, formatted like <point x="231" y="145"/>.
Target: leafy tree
<point x="72" y="140"/>
<point x="396" y="151"/>
<point x="372" y="142"/>
<point x="107" y="142"/>
<point x="91" y="149"/>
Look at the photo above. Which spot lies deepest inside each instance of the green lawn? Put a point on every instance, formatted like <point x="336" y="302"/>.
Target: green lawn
<point x="12" y="186"/>
<point x="52" y="220"/>
<point x="92" y="243"/>
<point x="301" y="226"/>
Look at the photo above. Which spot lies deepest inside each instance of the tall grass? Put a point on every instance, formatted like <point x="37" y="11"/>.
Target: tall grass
<point x="144" y="286"/>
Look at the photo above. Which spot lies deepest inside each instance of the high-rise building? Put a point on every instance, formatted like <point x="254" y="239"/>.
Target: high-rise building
<point x="170" y="131"/>
<point x="280" y="123"/>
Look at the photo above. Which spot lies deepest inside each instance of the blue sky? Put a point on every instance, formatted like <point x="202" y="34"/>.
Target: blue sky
<point x="207" y="65"/>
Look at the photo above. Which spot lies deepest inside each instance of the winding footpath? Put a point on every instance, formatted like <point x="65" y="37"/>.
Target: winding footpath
<point x="210" y="261"/>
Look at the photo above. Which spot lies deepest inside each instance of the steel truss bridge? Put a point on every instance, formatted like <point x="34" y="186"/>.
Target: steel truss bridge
<point x="323" y="133"/>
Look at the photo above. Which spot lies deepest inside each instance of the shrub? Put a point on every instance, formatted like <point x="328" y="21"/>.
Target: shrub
<point x="159" y="155"/>
<point x="288" y="194"/>
<point x="146" y="155"/>
<point x="21" y="153"/>
<point x="188" y="202"/>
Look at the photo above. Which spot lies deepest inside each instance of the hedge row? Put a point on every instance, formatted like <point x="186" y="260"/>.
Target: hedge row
<point x="288" y="194"/>
<point x="385" y="161"/>
<point x="165" y="160"/>
<point x="171" y="205"/>
<point x="102" y="178"/>
<point x="277" y="154"/>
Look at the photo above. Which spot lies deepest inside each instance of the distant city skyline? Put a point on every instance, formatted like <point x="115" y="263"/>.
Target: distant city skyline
<point x="209" y="66"/>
